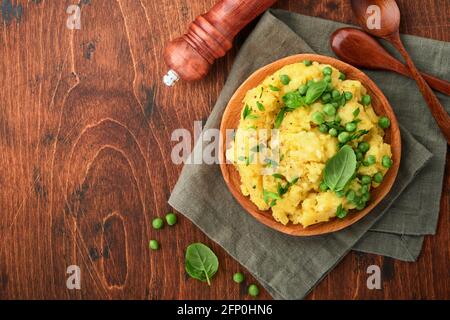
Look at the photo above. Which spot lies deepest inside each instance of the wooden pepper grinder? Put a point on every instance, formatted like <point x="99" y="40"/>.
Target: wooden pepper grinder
<point x="209" y="37"/>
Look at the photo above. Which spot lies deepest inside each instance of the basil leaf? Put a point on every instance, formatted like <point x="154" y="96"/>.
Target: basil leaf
<point x="201" y="263"/>
<point x="315" y="91"/>
<point x="293" y="100"/>
<point x="279" y="118"/>
<point x="340" y="169"/>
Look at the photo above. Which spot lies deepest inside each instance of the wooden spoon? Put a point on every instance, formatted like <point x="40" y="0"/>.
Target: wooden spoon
<point x="389" y="30"/>
<point x="359" y="49"/>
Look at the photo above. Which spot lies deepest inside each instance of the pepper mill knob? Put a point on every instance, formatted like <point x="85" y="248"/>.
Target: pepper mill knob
<point x="208" y="38"/>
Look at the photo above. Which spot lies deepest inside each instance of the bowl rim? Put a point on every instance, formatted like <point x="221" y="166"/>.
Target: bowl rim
<point x="333" y="224"/>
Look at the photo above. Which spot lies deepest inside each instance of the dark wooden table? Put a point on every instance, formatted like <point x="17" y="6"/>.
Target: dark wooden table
<point x="85" y="130"/>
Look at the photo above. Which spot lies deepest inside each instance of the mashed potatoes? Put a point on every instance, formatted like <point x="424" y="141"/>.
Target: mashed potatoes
<point x="316" y="112"/>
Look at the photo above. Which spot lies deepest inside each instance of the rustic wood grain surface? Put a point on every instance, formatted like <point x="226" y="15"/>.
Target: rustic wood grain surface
<point x="85" y="128"/>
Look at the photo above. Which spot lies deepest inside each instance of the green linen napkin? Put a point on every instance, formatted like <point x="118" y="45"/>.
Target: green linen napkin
<point x="289" y="267"/>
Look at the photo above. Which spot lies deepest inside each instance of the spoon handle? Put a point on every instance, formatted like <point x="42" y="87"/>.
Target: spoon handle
<point x="436" y="83"/>
<point x="440" y="115"/>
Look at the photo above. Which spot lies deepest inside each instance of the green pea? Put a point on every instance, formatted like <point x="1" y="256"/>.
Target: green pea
<point x="157" y="223"/>
<point x="384" y="122"/>
<point x="337" y="118"/>
<point x="238" y="277"/>
<point x="348" y="95"/>
<point x="329" y="87"/>
<point x="371" y="159"/>
<point x="153" y="244"/>
<point x="326" y="97"/>
<point x="359" y="155"/>
<point x="343" y="137"/>
<point x="363" y="146"/>
<point x="366" y="99"/>
<point x="350" y="127"/>
<point x="378" y="177"/>
<point x="356" y="200"/>
<point x="327" y="71"/>
<point x="361" y="205"/>
<point x="333" y="132"/>
<point x="364" y="189"/>
<point x="307" y="62"/>
<point x="335" y="104"/>
<point x="366" y="179"/>
<point x="327" y="78"/>
<point x="342" y="76"/>
<point x="285" y="79"/>
<point x="302" y="90"/>
<point x="365" y="197"/>
<point x="329" y="110"/>
<point x="386" y="162"/>
<point x="335" y="94"/>
<point x="253" y="290"/>
<point x="323" y="128"/>
<point x="317" y="117"/>
<point x="340" y="193"/>
<point x="351" y="195"/>
<point x="323" y="187"/>
<point x="171" y="219"/>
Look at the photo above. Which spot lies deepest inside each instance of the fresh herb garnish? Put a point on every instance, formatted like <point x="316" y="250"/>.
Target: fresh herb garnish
<point x="262" y="90"/>
<point x="340" y="169"/>
<point x="260" y="106"/>
<point x="315" y="91"/>
<point x="279" y="118"/>
<point x="356" y="112"/>
<point x="293" y="100"/>
<point x="278" y="176"/>
<point x="201" y="262"/>
<point x="267" y="195"/>
<point x="247" y="113"/>
<point x="273" y="88"/>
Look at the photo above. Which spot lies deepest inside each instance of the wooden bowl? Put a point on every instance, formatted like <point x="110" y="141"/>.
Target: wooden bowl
<point x="230" y="120"/>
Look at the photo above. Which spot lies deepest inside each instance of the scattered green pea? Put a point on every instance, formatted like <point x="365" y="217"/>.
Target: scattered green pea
<point x="366" y="179"/>
<point x="326" y="97"/>
<point x="302" y="90"/>
<point x="342" y="76"/>
<point x="371" y="159"/>
<point x="318" y="118"/>
<point x="329" y="86"/>
<point x="323" y="128"/>
<point x="327" y="71"/>
<point x="238" y="277"/>
<point x="359" y="155"/>
<point x="364" y="189"/>
<point x="384" y="122"/>
<point x="366" y="100"/>
<point x="337" y="118"/>
<point x="285" y="79"/>
<point x="253" y="290"/>
<point x="157" y="223"/>
<point x="378" y="177"/>
<point x="386" y="162"/>
<point x="307" y="62"/>
<point x="329" y="110"/>
<point x="327" y="78"/>
<point x="154" y="244"/>
<point x="351" y="195"/>
<point x="171" y="219"/>
<point x="350" y="127"/>
<point x="363" y="146"/>
<point x="335" y="104"/>
<point x="343" y="137"/>
<point x="333" y="132"/>
<point x="348" y="95"/>
<point x="360" y="205"/>
<point x="335" y="94"/>
<point x="365" y="197"/>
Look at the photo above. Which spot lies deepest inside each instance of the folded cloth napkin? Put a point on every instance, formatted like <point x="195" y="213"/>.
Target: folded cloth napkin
<point x="289" y="267"/>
